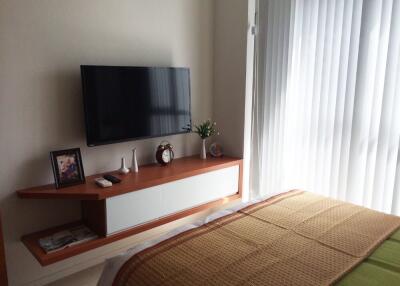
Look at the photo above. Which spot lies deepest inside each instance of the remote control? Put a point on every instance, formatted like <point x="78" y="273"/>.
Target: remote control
<point x="103" y="182"/>
<point x="112" y="179"/>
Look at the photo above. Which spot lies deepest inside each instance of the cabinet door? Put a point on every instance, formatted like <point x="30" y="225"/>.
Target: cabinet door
<point x="132" y="209"/>
<point x="200" y="189"/>
<point x="142" y="206"/>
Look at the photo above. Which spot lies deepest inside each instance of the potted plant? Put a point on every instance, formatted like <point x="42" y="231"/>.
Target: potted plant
<point x="205" y="130"/>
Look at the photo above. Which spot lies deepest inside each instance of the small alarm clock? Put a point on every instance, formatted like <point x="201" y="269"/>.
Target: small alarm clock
<point x="216" y="150"/>
<point x="164" y="153"/>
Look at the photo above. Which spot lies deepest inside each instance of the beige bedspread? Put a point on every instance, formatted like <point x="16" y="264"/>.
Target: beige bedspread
<point x="297" y="238"/>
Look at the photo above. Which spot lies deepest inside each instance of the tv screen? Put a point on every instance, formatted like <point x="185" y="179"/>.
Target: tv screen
<point x="128" y="103"/>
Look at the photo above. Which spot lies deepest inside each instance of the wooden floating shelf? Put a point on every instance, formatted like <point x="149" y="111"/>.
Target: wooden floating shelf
<point x="96" y="215"/>
<point x="31" y="241"/>
<point x="148" y="176"/>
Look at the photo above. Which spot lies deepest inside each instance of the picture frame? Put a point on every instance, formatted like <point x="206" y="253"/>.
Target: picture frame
<point x="67" y="167"/>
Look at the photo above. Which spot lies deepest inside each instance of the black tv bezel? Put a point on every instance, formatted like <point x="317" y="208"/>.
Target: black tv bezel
<point x="107" y="142"/>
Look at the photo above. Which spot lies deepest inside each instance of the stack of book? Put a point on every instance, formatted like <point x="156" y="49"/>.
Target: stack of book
<point x="66" y="238"/>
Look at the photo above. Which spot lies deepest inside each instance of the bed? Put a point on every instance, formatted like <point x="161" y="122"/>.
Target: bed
<point x="295" y="238"/>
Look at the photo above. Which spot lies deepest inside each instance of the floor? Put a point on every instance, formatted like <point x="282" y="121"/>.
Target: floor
<point x="87" y="277"/>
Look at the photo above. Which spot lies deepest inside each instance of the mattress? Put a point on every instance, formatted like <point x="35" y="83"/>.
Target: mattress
<point x="294" y="239"/>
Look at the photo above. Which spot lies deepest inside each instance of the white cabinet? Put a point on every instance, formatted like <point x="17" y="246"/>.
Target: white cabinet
<point x="135" y="208"/>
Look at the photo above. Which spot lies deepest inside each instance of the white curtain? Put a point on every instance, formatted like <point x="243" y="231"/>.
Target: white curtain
<point x="326" y="107"/>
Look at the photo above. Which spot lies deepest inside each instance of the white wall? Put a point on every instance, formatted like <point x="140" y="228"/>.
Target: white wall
<point x="42" y="44"/>
<point x="230" y="41"/>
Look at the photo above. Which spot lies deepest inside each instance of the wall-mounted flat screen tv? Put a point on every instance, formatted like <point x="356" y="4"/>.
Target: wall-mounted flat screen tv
<point x="128" y="103"/>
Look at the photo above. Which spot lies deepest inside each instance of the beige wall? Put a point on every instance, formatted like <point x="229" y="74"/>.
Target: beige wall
<point x="230" y="41"/>
<point x="42" y="44"/>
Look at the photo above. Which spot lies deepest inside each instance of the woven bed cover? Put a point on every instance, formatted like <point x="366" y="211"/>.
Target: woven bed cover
<point x="297" y="238"/>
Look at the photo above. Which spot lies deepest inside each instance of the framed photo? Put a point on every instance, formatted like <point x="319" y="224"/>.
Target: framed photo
<point x="67" y="167"/>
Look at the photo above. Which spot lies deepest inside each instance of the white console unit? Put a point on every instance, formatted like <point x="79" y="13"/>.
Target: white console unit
<point x="132" y="209"/>
<point x="149" y="198"/>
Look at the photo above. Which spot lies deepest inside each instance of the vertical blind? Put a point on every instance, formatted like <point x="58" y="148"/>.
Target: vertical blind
<point x="326" y="107"/>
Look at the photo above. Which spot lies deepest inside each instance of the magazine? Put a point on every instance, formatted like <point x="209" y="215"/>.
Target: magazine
<point x="66" y="238"/>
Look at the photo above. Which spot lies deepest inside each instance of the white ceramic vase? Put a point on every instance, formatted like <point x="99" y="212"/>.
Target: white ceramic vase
<point x="203" y="152"/>
<point x="123" y="169"/>
<point x="134" y="167"/>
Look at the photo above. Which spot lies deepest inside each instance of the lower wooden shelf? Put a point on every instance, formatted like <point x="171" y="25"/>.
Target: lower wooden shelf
<point x="31" y="241"/>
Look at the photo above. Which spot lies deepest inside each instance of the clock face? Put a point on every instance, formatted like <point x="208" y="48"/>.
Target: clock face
<point x="166" y="156"/>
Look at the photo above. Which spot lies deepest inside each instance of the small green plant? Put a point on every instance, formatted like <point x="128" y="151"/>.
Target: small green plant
<point x="205" y="129"/>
